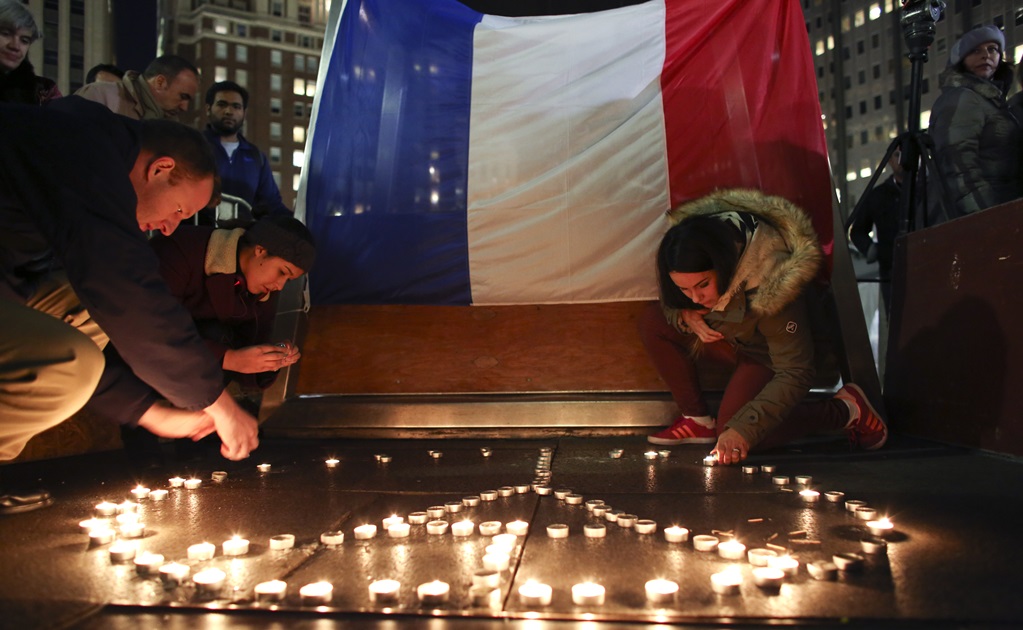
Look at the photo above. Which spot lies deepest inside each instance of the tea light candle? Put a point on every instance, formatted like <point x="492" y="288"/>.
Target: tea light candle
<point x="470" y="501"/>
<point x="270" y="592"/>
<point x="804" y="480"/>
<point x="132" y="530"/>
<point x="542" y="490"/>
<point x="436" y="454"/>
<point x="418" y="518"/>
<point x="486" y="452"/>
<point x="202" y="551"/>
<point x="218" y="476"/>
<point x="521" y="488"/>
<point x="173" y="574"/>
<point x="852" y="505"/>
<point x="881" y="527"/>
<point x="486" y="577"/>
<point x="316" y="594"/>
<point x="126" y="507"/>
<point x="627" y="520"/>
<point x="809" y="496"/>
<point x="332" y="539"/>
<point x="209" y="581"/>
<point x="561" y="493"/>
<point x="507" y="541"/>
<point x="865" y="513"/>
<point x="192" y="484"/>
<point x="122" y="551"/>
<point x="435" y="511"/>
<point x="283" y="541"/>
<point x="451" y="507"/>
<point x="588" y="594"/>
<point x="704" y="542"/>
<point x="594" y="530"/>
<point x="393" y="519"/>
<point x="611" y="516"/>
<point x="140" y="492"/>
<point x="384" y="591"/>
<point x="786" y="564"/>
<point x="263" y="468"/>
<point x="732" y="550"/>
<point x="557" y="530"/>
<point x="535" y="594"/>
<point x="873" y="545"/>
<point x="822" y="570"/>
<point x="573" y="499"/>
<point x="780" y="480"/>
<point x="488" y="495"/>
<point x="235" y="546"/>
<point x="385" y="459"/>
<point x="848" y="561"/>
<point x="176" y="482"/>
<point x="433" y="593"/>
<point x="147" y="563"/>
<point x="463" y="528"/>
<point x="437" y="528"/>
<point x="664" y="453"/>
<point x="749" y="470"/>
<point x="660" y="591"/>
<point x="490" y="528"/>
<point x="644" y="526"/>
<point x="768" y="578"/>
<point x="90" y="524"/>
<point x="650" y="455"/>
<point x="496" y="561"/>
<point x="332" y="462"/>
<point x="518" y="528"/>
<point x="378" y="456"/>
<point x="726" y="582"/>
<point x="760" y="557"/>
<point x="365" y="532"/>
<point x="676" y="534"/>
<point x="834" y="496"/>
<point x="399" y="530"/>
<point x="615" y="453"/>
<point x="768" y="468"/>
<point x="710" y="460"/>
<point x="102" y="536"/>
<point x="592" y="503"/>
<point x="106" y="508"/>
<point x="600" y="511"/>
<point x="485" y="597"/>
<point x="506" y="491"/>
<point x="158" y="495"/>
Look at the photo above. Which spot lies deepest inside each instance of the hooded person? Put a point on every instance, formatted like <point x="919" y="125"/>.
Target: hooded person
<point x="976" y="135"/>
<point x="732" y="271"/>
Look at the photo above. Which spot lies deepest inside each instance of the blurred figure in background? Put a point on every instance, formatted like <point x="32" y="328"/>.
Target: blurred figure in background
<point x="104" y="72"/>
<point x="879" y="213"/>
<point x="18" y="80"/>
<point x="165" y="90"/>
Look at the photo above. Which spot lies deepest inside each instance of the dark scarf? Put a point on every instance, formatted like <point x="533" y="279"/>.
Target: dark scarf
<point x="21" y="85"/>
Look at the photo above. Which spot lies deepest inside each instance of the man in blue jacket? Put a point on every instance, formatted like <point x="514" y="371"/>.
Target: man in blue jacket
<point x="79" y="188"/>
<point x="244" y="170"/>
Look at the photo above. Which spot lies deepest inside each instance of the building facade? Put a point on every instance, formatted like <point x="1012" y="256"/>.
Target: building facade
<point x="269" y="47"/>
<point x="77" y="34"/>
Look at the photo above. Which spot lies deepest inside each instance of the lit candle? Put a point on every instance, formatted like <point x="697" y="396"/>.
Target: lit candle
<point x="218" y="476"/>
<point x="436" y="454"/>
<point x="852" y="505"/>
<point x="611" y="516"/>
<point x="650" y="454"/>
<point x="780" y="480"/>
<point x="561" y="493"/>
<point x="270" y="592"/>
<point x="365" y="532"/>
<point x="132" y="530"/>
<point x="332" y="539"/>
<point x="176" y="482"/>
<point x="557" y="530"/>
<point x="710" y="460"/>
<point x="768" y="578"/>
<point x="122" y="551"/>
<point x="384" y="591"/>
<point x="193" y="483"/>
<point x="158" y="495"/>
<point x="433" y="593"/>
<point x="263" y="468"/>
<point x="834" y="496"/>
<point x="173" y="574"/>
<point x="664" y="453"/>
<point x="332" y="462"/>
<point x="732" y="550"/>
<point x="392" y="520"/>
<point x="125" y="507"/>
<point x="452" y="507"/>
<point x="627" y="520"/>
<point x="865" y="513"/>
<point x="128" y="517"/>
<point x="437" y="528"/>
<point x="506" y="491"/>
<point x="102" y="536"/>
<point x="787" y="564"/>
<point x="760" y="557"/>
<point x="676" y="534"/>
<point x="235" y="546"/>
<point x="542" y="490"/>
<point x="202" y="551"/>
<point x="804" y="480"/>
<point x="90" y="524"/>
<point x="881" y="527"/>
<point x="435" y="511"/>
<point x="140" y="492"/>
<point x="599" y="511"/>
<point x="399" y="530"/>
<point x="385" y="459"/>
<point x="517" y="528"/>
<point x="615" y="453"/>
<point x="594" y="530"/>
<point x="463" y="528"/>
<point x="209" y="581"/>
<point x="592" y="503"/>
<point x="316" y="594"/>
<point x="418" y="518"/>
<point x="489" y="578"/>
<point x="573" y="499"/>
<point x="282" y="541"/>
<point x="726" y="582"/>
<point x="486" y="452"/>
<point x="488" y="495"/>
<point x="521" y="488"/>
<point x="490" y="528"/>
<point x="147" y="563"/>
<point x="660" y="591"/>
<point x="506" y="541"/>
<point x="588" y="594"/>
<point x="749" y="470"/>
<point x="822" y="570"/>
<point x="848" y="561"/>
<point x="535" y="594"/>
<point x="768" y="468"/>
<point x="809" y="496"/>
<point x="704" y="542"/>
<point x="496" y="561"/>
<point x="873" y="545"/>
<point x="470" y="501"/>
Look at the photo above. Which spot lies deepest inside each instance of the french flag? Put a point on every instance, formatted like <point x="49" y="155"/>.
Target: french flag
<point x="462" y="158"/>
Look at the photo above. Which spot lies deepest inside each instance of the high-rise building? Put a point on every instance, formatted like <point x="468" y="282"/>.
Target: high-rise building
<point x="269" y="47"/>
<point x="863" y="73"/>
<point x="77" y="34"/>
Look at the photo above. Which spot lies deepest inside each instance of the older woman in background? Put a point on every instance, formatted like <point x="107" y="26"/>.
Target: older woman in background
<point x="18" y="80"/>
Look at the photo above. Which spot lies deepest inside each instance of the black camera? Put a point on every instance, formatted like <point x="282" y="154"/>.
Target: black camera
<point x="918" y="19"/>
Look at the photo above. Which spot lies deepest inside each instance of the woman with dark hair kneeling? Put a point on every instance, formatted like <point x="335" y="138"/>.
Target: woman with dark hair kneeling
<point x="732" y="271"/>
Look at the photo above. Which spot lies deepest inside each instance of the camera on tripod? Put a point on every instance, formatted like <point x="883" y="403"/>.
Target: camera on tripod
<point x="918" y="19"/>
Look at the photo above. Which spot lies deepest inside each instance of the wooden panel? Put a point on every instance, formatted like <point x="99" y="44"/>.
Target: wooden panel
<point x="451" y="349"/>
<point x="955" y="353"/>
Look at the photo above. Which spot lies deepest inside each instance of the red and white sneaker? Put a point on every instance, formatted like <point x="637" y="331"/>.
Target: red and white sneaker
<point x="868" y="431"/>
<point x="685" y="430"/>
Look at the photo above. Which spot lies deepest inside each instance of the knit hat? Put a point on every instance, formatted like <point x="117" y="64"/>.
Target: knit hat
<point x="974" y="38"/>
<point x="286" y="237"/>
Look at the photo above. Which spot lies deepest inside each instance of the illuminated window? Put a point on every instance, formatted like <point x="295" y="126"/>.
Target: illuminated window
<point x="846" y="24"/>
<point x="820" y="47"/>
<point x="220" y="27"/>
<point x="925" y="119"/>
<point x="865" y="172"/>
<point x="875" y="11"/>
<point x="860" y="19"/>
<point x="220" y="74"/>
<point x="831" y="42"/>
<point x="296" y="181"/>
<point x="241" y="77"/>
<point x="299" y="87"/>
<point x="220" y="50"/>
<point x="276" y="58"/>
<point x="310" y="88"/>
<point x="298" y="133"/>
<point x="298" y="158"/>
<point x="850" y="176"/>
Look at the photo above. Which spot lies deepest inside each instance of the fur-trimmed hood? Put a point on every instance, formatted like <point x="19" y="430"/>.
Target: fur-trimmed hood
<point x="782" y="257"/>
